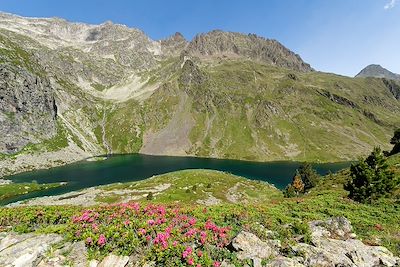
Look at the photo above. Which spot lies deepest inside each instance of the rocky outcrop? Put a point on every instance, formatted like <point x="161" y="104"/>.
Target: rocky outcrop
<point x="35" y="250"/>
<point x="24" y="250"/>
<point x="229" y="44"/>
<point x="338" y="99"/>
<point x="191" y="74"/>
<point x="27" y="108"/>
<point x="249" y="246"/>
<point x="332" y="244"/>
<point x="393" y="87"/>
<point x="174" y="45"/>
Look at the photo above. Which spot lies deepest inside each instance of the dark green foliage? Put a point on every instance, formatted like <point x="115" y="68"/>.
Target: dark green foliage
<point x="396" y="142"/>
<point x="150" y="196"/>
<point x="308" y="175"/>
<point x="304" y="179"/>
<point x="371" y="178"/>
<point x="289" y="191"/>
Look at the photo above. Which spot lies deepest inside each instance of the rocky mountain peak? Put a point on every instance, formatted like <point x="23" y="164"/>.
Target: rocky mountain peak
<point x="377" y="71"/>
<point x="174" y="44"/>
<point x="218" y="43"/>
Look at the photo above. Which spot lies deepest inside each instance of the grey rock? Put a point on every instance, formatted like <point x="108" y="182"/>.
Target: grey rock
<point x="28" y="250"/>
<point x="337" y="227"/>
<point x="230" y="44"/>
<point x="281" y="261"/>
<point x="174" y="45"/>
<point x="393" y="87"/>
<point x="27" y="108"/>
<point x="226" y="263"/>
<point x="257" y="262"/>
<point x="93" y="263"/>
<point x="333" y="245"/>
<point x="249" y="246"/>
<point x="115" y="261"/>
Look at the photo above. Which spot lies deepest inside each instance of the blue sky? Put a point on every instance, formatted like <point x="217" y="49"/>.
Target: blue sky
<point x="340" y="36"/>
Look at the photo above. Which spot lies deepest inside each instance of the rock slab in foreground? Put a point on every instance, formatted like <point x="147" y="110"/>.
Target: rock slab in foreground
<point x="333" y="244"/>
<point x="25" y="250"/>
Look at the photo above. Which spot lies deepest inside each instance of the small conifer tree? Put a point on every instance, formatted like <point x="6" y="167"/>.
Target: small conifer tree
<point x="371" y="178"/>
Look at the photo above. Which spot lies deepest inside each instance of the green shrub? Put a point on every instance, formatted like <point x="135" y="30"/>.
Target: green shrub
<point x="371" y="178"/>
<point x="150" y="196"/>
<point x="308" y="175"/>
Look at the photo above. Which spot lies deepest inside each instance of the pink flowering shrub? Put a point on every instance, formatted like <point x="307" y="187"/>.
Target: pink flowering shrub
<point x="165" y="234"/>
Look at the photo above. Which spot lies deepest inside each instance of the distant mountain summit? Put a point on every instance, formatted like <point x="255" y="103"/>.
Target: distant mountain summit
<point x="377" y="71"/>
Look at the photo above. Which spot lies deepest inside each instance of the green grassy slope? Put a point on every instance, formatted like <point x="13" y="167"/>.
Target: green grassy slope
<point x="194" y="186"/>
<point x="225" y="108"/>
<point x="246" y="110"/>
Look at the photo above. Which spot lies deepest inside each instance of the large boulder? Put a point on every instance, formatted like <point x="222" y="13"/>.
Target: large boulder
<point x="249" y="246"/>
<point x="25" y="250"/>
<point x="334" y="244"/>
<point x="115" y="261"/>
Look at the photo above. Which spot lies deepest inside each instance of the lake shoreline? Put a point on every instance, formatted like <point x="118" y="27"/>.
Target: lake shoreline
<point x="47" y="164"/>
<point x="137" y="167"/>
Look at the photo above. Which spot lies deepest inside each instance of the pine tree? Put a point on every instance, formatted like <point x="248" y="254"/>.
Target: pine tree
<point x="309" y="176"/>
<point x="371" y="178"/>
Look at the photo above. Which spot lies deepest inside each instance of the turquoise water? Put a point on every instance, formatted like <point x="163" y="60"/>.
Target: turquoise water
<point x="135" y="167"/>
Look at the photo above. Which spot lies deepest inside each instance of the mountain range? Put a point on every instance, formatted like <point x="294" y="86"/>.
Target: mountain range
<point x="69" y="91"/>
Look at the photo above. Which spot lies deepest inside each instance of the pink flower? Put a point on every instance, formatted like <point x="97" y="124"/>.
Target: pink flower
<point x="187" y="252"/>
<point x="95" y="227"/>
<point x="175" y="243"/>
<point x="162" y="239"/>
<point x="192" y="221"/>
<point x="198" y="265"/>
<point x="142" y="231"/>
<point x="190" y="261"/>
<point x="191" y="232"/>
<point x="199" y="253"/>
<point x="203" y="237"/>
<point x="102" y="240"/>
<point x="150" y="222"/>
<point x="89" y="241"/>
<point x="127" y="222"/>
<point x="216" y="264"/>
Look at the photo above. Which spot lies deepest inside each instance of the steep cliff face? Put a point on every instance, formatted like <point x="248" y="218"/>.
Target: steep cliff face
<point x="27" y="109"/>
<point x="393" y="86"/>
